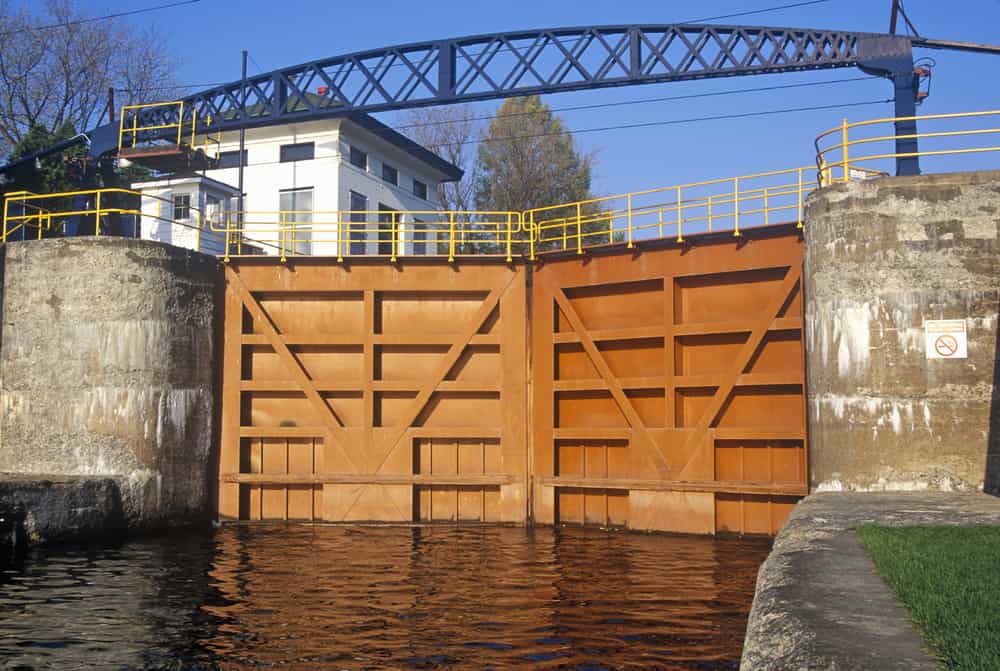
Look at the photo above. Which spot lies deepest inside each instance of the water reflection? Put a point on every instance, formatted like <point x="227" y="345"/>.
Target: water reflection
<point x="383" y="598"/>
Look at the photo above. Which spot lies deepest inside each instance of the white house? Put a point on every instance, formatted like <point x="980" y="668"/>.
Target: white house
<point x="330" y="187"/>
<point x="186" y="212"/>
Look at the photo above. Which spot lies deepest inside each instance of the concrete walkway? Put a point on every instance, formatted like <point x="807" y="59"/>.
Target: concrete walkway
<point x="820" y="604"/>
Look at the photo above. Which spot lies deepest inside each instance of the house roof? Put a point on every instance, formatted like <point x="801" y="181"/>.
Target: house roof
<point x="180" y="181"/>
<point x="376" y="127"/>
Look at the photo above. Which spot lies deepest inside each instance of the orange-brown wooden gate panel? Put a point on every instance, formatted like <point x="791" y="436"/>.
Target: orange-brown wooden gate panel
<point x="668" y="386"/>
<point x="374" y="392"/>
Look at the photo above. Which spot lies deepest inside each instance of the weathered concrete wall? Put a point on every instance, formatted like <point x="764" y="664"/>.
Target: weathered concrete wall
<point x="62" y="508"/>
<point x="107" y="364"/>
<point x="883" y="256"/>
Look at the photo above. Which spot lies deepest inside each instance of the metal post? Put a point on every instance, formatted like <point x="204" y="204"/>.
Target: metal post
<point x="97" y="216"/>
<point x="680" y="216"/>
<point x="907" y="161"/>
<point x="845" y="160"/>
<point x="736" y="207"/>
<point x="243" y="137"/>
<point x="630" y="221"/>
<point x="799" y="225"/>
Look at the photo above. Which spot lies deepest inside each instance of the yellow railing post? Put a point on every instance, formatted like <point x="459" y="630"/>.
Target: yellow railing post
<point x="282" y="235"/>
<point x="767" y="218"/>
<point x="97" y="215"/>
<point x="180" y="123"/>
<point x="680" y="217"/>
<point x="394" y="235"/>
<point x="579" y="229"/>
<point x="736" y="207"/>
<point x="801" y="214"/>
<point x="710" y="214"/>
<point x="509" y="238"/>
<point x="121" y="129"/>
<point x="340" y="239"/>
<point x="229" y="228"/>
<point x="630" y="221"/>
<point x="843" y="140"/>
<point x="451" y="237"/>
<point x="6" y="203"/>
<point x="531" y="236"/>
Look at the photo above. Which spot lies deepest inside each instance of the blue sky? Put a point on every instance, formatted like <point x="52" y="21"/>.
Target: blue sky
<point x="208" y="37"/>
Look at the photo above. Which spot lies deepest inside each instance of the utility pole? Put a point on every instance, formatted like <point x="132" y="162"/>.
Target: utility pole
<point x="243" y="134"/>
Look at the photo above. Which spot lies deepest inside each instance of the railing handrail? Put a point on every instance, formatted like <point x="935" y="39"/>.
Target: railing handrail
<point x="736" y="200"/>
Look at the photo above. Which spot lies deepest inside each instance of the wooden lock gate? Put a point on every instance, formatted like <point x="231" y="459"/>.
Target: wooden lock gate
<point x="659" y="388"/>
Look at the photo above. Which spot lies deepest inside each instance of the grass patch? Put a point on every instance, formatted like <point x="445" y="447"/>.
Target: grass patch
<point x="949" y="578"/>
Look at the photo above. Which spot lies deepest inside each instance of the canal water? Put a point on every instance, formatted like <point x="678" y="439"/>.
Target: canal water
<point x="325" y="597"/>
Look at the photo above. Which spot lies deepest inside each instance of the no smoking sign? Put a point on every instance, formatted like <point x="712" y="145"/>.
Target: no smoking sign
<point x="946" y="339"/>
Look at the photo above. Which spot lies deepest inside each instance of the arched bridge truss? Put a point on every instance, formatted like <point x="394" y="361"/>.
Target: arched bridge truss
<point x="528" y="62"/>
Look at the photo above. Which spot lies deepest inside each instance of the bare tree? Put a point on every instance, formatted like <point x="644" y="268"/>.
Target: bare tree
<point x="451" y="133"/>
<point x="57" y="64"/>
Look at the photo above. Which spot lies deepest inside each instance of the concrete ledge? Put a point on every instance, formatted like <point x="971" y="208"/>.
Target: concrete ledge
<point x="62" y="508"/>
<point x="820" y="604"/>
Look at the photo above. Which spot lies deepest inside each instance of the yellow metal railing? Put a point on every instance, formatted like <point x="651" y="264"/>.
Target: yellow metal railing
<point x="841" y="157"/>
<point x="727" y="205"/>
<point x="387" y="233"/>
<point x="129" y="136"/>
<point x="92" y="209"/>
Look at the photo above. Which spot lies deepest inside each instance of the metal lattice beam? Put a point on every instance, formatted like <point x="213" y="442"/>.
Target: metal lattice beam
<point x="521" y="63"/>
<point x="536" y="62"/>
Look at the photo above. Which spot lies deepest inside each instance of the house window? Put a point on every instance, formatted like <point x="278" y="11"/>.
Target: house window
<point x="231" y="159"/>
<point x="390" y="174"/>
<point x="182" y="207"/>
<point x="304" y="151"/>
<point x="385" y="234"/>
<point x="296" y="207"/>
<point x="359" y="159"/>
<point x="419" y="189"/>
<point x="357" y="233"/>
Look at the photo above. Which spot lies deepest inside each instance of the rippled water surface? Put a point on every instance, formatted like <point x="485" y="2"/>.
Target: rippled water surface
<point x="304" y="597"/>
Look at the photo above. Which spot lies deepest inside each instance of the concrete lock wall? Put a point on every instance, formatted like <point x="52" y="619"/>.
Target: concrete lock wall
<point x="883" y="256"/>
<point x="108" y="368"/>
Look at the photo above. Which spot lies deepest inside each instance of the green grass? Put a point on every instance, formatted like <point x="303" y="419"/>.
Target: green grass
<point x="949" y="578"/>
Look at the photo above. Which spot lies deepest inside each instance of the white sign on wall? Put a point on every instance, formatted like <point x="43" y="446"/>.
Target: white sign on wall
<point x="946" y="339"/>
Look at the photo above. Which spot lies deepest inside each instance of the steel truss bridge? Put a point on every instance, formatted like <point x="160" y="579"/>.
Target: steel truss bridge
<point x="500" y="65"/>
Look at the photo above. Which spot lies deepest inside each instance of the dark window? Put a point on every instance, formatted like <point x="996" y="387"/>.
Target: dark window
<point x="419" y="189"/>
<point x="385" y="217"/>
<point x="390" y="174"/>
<point x="357" y="233"/>
<point x="231" y="159"/>
<point x="303" y="151"/>
<point x="359" y="158"/>
<point x="182" y="207"/>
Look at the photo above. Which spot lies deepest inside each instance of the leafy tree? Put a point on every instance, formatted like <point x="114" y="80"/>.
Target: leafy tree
<point x="528" y="159"/>
<point x="53" y="173"/>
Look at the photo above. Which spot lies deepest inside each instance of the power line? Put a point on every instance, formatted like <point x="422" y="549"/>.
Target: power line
<point x="397" y="64"/>
<point x="641" y="101"/>
<point x="758" y="11"/>
<point x="672" y="122"/>
<point x="648" y="124"/>
<point x="92" y="19"/>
